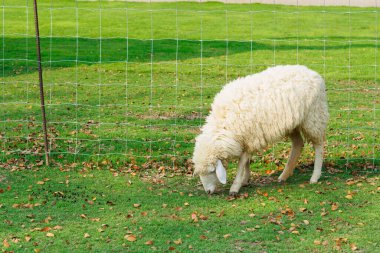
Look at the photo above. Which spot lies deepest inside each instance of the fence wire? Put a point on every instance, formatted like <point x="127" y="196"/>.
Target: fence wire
<point x="132" y="82"/>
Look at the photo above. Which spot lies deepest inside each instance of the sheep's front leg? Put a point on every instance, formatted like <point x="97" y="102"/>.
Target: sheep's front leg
<point x="240" y="178"/>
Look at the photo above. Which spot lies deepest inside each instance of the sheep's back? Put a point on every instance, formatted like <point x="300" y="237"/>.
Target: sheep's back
<point x="263" y="107"/>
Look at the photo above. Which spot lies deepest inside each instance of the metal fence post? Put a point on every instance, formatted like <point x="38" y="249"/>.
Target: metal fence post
<point x="42" y="96"/>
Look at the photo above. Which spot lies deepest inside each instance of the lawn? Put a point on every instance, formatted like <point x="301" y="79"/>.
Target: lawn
<point x="127" y="87"/>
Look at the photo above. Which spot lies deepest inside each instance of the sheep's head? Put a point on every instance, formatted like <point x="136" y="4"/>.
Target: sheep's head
<point x="207" y="164"/>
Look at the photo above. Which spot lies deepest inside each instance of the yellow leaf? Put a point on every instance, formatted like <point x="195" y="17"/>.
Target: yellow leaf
<point x="50" y="235"/>
<point x="226" y="236"/>
<point x="349" y="196"/>
<point x="86" y="235"/>
<point x="177" y="242"/>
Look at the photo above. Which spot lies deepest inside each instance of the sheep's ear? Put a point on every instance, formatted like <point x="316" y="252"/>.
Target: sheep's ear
<point x="221" y="173"/>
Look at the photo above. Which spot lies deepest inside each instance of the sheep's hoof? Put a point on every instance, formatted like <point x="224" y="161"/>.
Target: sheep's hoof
<point x="233" y="194"/>
<point x="281" y="180"/>
<point x="312" y="181"/>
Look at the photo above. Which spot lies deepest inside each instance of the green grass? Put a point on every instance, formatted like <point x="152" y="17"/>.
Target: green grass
<point x="145" y="74"/>
<point x="127" y="87"/>
<point x="102" y="204"/>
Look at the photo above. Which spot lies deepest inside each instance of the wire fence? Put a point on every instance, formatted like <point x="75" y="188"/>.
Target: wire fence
<point x="129" y="82"/>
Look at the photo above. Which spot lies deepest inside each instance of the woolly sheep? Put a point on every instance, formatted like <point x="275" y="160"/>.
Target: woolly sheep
<point x="255" y="111"/>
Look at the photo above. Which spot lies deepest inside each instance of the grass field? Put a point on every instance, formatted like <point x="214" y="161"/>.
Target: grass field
<point x="127" y="86"/>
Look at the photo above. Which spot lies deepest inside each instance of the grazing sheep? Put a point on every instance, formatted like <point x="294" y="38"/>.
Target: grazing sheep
<point x="253" y="112"/>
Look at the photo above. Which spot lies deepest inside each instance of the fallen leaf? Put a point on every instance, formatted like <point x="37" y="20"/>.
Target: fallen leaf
<point x="28" y="238"/>
<point x="306" y="222"/>
<point x="6" y="244"/>
<point x="302" y="209"/>
<point x="334" y="206"/>
<point x="50" y="235"/>
<point x="136" y="205"/>
<point x="40" y="182"/>
<point x="221" y="214"/>
<point x="203" y="237"/>
<point x="348" y="196"/>
<point x="86" y="235"/>
<point x="149" y="242"/>
<point x="171" y="248"/>
<point x="130" y="238"/>
<point x="177" y="242"/>
<point x="194" y="217"/>
<point x="353" y="247"/>
<point x="317" y="242"/>
<point x="226" y="236"/>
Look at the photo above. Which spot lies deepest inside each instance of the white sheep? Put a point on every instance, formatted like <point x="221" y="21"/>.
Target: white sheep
<point x="253" y="112"/>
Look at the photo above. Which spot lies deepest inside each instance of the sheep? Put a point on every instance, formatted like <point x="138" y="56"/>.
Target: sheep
<point x="258" y="110"/>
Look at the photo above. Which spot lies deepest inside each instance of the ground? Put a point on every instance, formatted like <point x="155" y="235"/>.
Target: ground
<point x="127" y="87"/>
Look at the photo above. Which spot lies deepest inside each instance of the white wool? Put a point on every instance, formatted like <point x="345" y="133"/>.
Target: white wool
<point x="252" y="112"/>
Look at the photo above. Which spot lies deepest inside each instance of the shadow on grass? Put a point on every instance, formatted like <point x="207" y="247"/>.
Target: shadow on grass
<point x="19" y="55"/>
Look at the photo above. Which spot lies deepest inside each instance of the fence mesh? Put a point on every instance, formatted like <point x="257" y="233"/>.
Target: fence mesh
<point x="132" y="82"/>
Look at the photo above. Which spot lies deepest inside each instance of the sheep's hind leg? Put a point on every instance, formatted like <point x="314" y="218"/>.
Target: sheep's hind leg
<point x="240" y="176"/>
<point x="297" y="144"/>
<point x="318" y="149"/>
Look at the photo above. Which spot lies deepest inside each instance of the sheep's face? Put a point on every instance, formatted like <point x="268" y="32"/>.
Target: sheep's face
<point x="215" y="176"/>
<point x="207" y="164"/>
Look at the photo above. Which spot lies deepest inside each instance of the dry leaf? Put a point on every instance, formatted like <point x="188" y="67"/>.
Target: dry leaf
<point x="50" y="235"/>
<point x="203" y="237"/>
<point x="171" y="248"/>
<point x="194" y="217"/>
<point x="334" y="206"/>
<point x="353" y="247"/>
<point x="306" y="222"/>
<point x="302" y="209"/>
<point x="6" y="244"/>
<point x="28" y="238"/>
<point x="226" y="236"/>
<point x="221" y="214"/>
<point x="40" y="182"/>
<point x="136" y="205"/>
<point x="149" y="242"/>
<point x="317" y="242"/>
<point x="348" y="196"/>
<point x="177" y="242"/>
<point x="130" y="238"/>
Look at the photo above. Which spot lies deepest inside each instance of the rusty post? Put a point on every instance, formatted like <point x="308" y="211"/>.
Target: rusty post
<point x="42" y="96"/>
